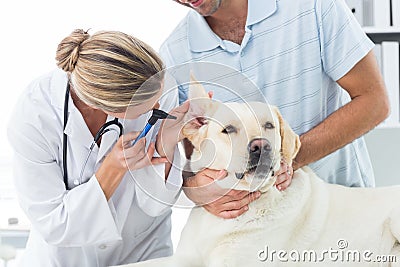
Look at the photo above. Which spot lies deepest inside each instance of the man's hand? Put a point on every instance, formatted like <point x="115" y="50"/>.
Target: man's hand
<point x="225" y="203"/>
<point x="284" y="176"/>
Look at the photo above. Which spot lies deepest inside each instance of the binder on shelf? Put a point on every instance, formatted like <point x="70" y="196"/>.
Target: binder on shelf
<point x="381" y="13"/>
<point x="396" y="13"/>
<point x="357" y="8"/>
<point x="391" y="73"/>
<point x="378" y="55"/>
<point x="368" y="13"/>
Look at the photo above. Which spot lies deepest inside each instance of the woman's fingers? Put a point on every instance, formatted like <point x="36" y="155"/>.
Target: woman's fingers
<point x="154" y="160"/>
<point x="129" y="137"/>
<point x="140" y="159"/>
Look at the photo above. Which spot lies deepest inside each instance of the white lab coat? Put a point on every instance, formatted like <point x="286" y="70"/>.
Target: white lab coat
<point x="80" y="227"/>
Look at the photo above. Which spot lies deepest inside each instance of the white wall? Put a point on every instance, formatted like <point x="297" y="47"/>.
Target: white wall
<point x="384" y="150"/>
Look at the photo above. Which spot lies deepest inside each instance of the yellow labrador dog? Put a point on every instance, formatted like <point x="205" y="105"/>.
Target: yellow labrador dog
<point x="310" y="223"/>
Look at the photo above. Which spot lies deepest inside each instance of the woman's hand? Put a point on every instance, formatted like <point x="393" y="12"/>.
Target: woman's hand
<point x="225" y="203"/>
<point x="136" y="156"/>
<point x="170" y="132"/>
<point x="122" y="157"/>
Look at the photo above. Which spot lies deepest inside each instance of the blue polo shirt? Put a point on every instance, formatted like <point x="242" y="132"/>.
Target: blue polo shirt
<point x="293" y="52"/>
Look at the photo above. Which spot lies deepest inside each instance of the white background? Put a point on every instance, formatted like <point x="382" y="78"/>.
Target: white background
<point x="30" y="32"/>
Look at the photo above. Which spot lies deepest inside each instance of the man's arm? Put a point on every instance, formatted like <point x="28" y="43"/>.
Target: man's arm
<point x="368" y="107"/>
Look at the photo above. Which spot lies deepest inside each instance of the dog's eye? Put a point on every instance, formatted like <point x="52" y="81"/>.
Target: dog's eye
<point x="269" y="125"/>
<point x="229" y="129"/>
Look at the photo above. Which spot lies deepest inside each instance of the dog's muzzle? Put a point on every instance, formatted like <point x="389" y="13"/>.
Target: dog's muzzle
<point x="260" y="158"/>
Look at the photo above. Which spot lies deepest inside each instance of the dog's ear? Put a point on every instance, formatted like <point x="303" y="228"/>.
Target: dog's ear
<point x="200" y="110"/>
<point x="200" y="102"/>
<point x="290" y="141"/>
<point x="196" y="90"/>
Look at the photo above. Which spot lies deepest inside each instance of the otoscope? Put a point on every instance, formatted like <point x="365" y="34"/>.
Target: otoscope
<point x="155" y="116"/>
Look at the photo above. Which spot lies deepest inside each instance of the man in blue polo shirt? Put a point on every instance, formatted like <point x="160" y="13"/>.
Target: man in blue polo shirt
<point x="308" y="57"/>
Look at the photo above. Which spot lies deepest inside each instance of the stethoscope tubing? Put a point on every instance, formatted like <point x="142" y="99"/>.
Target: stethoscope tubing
<point x="65" y="137"/>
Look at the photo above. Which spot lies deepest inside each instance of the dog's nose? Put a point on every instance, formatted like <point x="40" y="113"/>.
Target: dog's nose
<point x="259" y="146"/>
<point x="260" y="157"/>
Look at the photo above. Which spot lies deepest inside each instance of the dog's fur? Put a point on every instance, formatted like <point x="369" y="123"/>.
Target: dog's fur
<point x="310" y="215"/>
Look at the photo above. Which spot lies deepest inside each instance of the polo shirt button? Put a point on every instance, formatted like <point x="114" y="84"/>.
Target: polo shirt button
<point x="242" y="53"/>
<point x="102" y="246"/>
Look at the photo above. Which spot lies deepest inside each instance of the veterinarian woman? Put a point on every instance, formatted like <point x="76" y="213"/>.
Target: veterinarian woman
<point x="99" y="216"/>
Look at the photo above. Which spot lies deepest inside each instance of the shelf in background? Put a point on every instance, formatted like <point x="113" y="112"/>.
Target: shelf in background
<point x="388" y="126"/>
<point x="375" y="30"/>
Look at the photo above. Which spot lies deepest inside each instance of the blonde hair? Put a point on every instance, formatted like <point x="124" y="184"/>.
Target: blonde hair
<point x="107" y="68"/>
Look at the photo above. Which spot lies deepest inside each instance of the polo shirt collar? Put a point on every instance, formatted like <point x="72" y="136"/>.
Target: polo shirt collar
<point x="202" y="38"/>
<point x="259" y="10"/>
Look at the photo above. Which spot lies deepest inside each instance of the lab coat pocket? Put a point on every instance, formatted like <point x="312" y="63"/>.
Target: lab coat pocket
<point x="139" y="221"/>
<point x="147" y="242"/>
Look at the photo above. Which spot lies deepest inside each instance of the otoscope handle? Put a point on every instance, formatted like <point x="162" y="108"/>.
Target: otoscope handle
<point x="143" y="133"/>
<point x="156" y="115"/>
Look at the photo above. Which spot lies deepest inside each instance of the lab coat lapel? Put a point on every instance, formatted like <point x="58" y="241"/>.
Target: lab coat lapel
<point x="76" y="128"/>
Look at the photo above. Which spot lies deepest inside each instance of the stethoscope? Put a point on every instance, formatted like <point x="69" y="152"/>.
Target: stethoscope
<point x="106" y="127"/>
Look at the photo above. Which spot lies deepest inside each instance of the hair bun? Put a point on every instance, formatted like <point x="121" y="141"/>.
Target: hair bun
<point x="68" y="50"/>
